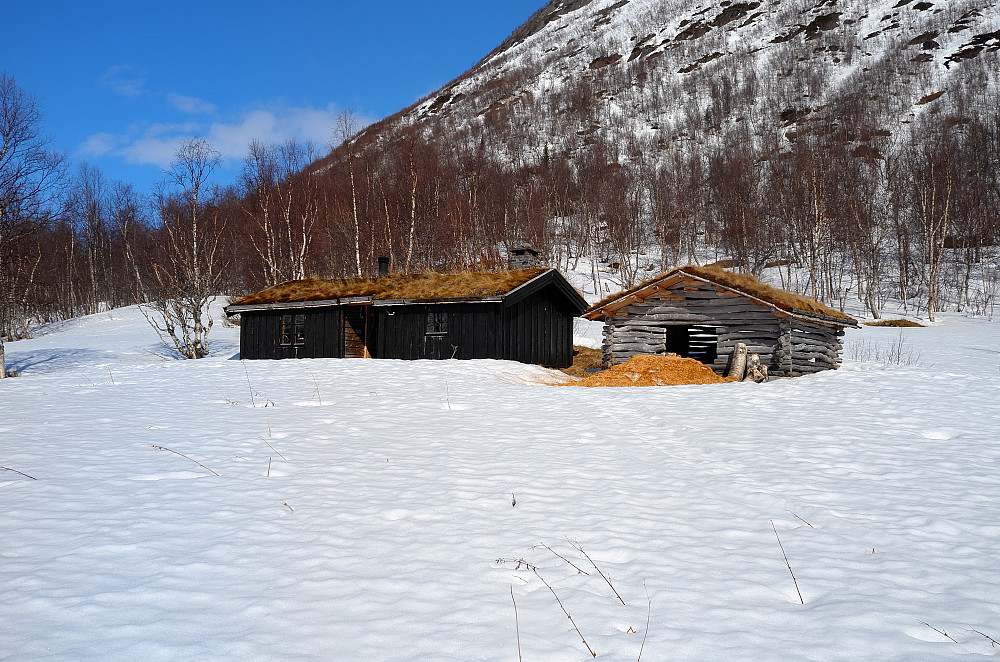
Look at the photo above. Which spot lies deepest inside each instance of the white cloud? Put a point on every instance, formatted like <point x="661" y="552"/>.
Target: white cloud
<point x="190" y="105"/>
<point x="155" y="144"/>
<point x="125" y="79"/>
<point x="99" y="144"/>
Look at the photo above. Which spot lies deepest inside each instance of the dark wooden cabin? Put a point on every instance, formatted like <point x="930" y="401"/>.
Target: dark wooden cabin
<point x="704" y="312"/>
<point x="524" y="315"/>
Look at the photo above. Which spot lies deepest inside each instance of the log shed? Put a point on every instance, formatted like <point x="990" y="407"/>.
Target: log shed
<point x="705" y="312"/>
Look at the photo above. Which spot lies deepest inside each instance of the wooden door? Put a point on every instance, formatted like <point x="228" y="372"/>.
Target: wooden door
<point x="357" y="322"/>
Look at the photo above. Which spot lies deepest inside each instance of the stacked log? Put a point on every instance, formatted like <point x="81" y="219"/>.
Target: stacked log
<point x="807" y="348"/>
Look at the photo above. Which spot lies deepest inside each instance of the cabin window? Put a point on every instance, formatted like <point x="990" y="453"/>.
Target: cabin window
<point x="293" y="330"/>
<point x="437" y="323"/>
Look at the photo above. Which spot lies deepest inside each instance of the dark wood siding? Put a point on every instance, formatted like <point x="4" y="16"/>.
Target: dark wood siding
<point x="533" y="324"/>
<point x="260" y="335"/>
<point x="538" y="329"/>
<point x="472" y="332"/>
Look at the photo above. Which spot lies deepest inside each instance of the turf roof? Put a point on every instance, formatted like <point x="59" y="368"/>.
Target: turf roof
<point x="430" y="285"/>
<point x="742" y="283"/>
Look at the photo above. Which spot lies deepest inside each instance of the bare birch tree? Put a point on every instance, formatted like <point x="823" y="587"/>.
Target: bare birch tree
<point x="28" y="173"/>
<point x="345" y="130"/>
<point x="188" y="276"/>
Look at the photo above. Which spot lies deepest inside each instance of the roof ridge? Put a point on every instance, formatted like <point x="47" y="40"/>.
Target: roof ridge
<point x="744" y="284"/>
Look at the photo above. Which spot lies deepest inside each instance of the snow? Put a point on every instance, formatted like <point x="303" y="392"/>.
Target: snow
<point x="366" y="509"/>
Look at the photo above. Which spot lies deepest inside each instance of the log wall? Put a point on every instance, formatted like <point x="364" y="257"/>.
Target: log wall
<point x="683" y="316"/>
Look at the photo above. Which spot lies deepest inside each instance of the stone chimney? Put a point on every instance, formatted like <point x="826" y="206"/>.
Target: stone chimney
<point x="523" y="256"/>
<point x="383" y="266"/>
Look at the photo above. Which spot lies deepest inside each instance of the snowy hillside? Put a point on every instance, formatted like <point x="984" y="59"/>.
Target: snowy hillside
<point x="641" y="75"/>
<point x="385" y="510"/>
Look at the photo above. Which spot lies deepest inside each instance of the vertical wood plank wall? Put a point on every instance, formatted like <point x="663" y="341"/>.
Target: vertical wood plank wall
<point x="536" y="330"/>
<point x="260" y="335"/>
<point x="401" y="332"/>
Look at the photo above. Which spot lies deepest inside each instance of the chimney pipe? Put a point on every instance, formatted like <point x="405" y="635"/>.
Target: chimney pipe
<point x="383" y="266"/>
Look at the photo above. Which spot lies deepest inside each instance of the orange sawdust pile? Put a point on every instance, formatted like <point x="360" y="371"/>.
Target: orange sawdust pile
<point x="646" y="370"/>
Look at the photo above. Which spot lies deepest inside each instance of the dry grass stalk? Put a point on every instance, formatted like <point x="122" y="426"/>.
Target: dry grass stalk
<point x="164" y="448"/>
<point x="795" y="581"/>
<point x="249" y="386"/>
<point x="940" y="632"/>
<point x="579" y="570"/>
<point x="579" y="548"/>
<point x="582" y="638"/>
<point x="316" y="382"/>
<point x="519" y="562"/>
<point x="993" y="642"/>
<point x="649" y="611"/>
<point x="224" y="396"/>
<point x="268" y="468"/>
<point x="20" y="473"/>
<point x="802" y="520"/>
<point x="276" y="451"/>
<point x="517" y="626"/>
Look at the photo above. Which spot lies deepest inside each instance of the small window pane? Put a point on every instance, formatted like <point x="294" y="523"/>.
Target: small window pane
<point x="300" y="329"/>
<point x="437" y="323"/>
<point x="293" y="330"/>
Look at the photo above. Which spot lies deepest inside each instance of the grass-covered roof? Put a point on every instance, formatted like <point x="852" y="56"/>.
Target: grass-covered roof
<point x="430" y="285"/>
<point x="741" y="283"/>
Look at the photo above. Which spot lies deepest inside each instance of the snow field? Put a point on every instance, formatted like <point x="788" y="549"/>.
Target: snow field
<point x="364" y="508"/>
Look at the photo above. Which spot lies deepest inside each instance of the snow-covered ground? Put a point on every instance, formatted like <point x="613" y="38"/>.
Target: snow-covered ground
<point x="388" y="510"/>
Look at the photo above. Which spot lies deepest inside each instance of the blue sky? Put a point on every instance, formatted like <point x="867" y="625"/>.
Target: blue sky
<point x="121" y="82"/>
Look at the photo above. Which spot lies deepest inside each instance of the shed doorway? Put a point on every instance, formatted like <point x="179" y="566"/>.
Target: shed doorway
<point x="357" y="323"/>
<point x="696" y="341"/>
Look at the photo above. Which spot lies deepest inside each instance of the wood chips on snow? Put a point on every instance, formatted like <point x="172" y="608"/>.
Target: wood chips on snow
<point x="648" y="370"/>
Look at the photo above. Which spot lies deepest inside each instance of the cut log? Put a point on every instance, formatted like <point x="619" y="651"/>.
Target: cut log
<point x="739" y="362"/>
<point x="756" y="371"/>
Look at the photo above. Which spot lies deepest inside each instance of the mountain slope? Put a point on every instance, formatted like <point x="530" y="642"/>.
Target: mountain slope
<point x="647" y="72"/>
<point x="854" y="143"/>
